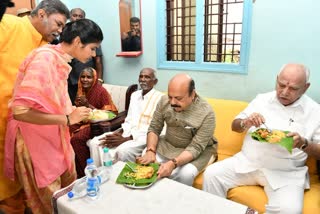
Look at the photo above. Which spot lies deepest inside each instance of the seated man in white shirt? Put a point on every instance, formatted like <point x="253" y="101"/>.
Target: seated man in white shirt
<point x="283" y="175"/>
<point x="128" y="142"/>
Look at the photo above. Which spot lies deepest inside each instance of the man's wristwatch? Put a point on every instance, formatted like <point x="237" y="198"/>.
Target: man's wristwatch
<point x="151" y="150"/>
<point x="242" y="125"/>
<point x="305" y="145"/>
<point x="174" y="162"/>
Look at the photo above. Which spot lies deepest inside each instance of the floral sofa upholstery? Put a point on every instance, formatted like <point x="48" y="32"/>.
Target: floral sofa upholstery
<point x="229" y="143"/>
<point x="120" y="95"/>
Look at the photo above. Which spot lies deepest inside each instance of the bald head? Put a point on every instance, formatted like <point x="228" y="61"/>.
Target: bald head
<point x="292" y="83"/>
<point x="299" y="71"/>
<point x="181" y="92"/>
<point x="183" y="80"/>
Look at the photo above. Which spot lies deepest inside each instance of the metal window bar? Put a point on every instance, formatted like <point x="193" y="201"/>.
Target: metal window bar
<point x="220" y="36"/>
<point x="222" y="41"/>
<point x="180" y="30"/>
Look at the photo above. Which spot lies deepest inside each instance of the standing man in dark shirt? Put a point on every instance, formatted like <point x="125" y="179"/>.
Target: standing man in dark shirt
<point x="131" y="39"/>
<point x="77" y="66"/>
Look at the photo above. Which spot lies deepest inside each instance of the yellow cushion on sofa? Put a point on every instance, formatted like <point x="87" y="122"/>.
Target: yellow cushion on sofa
<point x="225" y="111"/>
<point x="251" y="196"/>
<point x="228" y="141"/>
<point x="312" y="197"/>
<point x="255" y="197"/>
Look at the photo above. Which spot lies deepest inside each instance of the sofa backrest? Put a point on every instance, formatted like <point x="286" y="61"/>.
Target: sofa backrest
<point x="118" y="94"/>
<point x="229" y="142"/>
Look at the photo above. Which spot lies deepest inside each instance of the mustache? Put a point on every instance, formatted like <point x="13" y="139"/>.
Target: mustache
<point x="175" y="106"/>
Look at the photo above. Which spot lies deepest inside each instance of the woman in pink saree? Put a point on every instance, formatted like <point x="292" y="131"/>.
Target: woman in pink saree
<point x="38" y="152"/>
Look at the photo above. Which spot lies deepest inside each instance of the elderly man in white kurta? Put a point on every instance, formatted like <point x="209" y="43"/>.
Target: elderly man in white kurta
<point x="283" y="175"/>
<point x="129" y="142"/>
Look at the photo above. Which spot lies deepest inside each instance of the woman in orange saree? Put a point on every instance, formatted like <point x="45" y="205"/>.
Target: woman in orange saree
<point x="37" y="146"/>
<point x="93" y="95"/>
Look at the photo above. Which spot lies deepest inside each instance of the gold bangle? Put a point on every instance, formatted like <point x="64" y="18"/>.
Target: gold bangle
<point x="101" y="80"/>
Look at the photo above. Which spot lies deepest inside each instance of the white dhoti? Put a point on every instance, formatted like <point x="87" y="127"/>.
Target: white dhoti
<point x="127" y="151"/>
<point x="184" y="174"/>
<point x="221" y="176"/>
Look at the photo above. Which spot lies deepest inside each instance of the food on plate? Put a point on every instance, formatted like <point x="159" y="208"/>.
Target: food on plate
<point x="100" y="115"/>
<point x="263" y="133"/>
<point x="142" y="172"/>
<point x="274" y="136"/>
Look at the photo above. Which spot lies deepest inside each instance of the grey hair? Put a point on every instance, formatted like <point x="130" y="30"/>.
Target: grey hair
<point x="88" y="69"/>
<point x="152" y="70"/>
<point x="82" y="11"/>
<point x="304" y="68"/>
<point x="51" y="7"/>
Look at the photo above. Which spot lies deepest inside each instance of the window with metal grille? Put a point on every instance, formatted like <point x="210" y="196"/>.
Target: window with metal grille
<point x="204" y="34"/>
<point x="223" y="23"/>
<point x="181" y="25"/>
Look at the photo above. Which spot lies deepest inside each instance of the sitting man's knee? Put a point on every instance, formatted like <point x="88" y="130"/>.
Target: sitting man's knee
<point x="186" y="174"/>
<point x="213" y="170"/>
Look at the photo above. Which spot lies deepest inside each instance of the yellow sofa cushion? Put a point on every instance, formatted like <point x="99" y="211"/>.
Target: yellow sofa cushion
<point x="255" y="197"/>
<point x="225" y="111"/>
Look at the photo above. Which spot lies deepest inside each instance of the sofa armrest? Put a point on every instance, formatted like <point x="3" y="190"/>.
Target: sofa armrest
<point x="107" y="126"/>
<point x="113" y="124"/>
<point x="130" y="90"/>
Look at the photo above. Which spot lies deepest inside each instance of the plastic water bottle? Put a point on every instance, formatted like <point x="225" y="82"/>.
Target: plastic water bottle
<point x="106" y="168"/>
<point x="93" y="181"/>
<point x="79" y="189"/>
<point x="107" y="159"/>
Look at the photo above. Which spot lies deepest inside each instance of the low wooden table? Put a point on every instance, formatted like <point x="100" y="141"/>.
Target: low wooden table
<point x="164" y="197"/>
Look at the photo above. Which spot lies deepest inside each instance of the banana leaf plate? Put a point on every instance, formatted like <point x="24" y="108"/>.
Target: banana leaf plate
<point x="137" y="183"/>
<point x="286" y="142"/>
